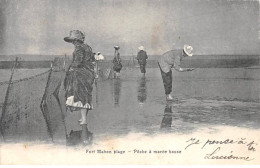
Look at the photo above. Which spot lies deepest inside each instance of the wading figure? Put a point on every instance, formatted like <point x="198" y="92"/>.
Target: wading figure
<point x="98" y="59"/>
<point x="80" y="76"/>
<point x="171" y="59"/>
<point x="141" y="57"/>
<point x="117" y="65"/>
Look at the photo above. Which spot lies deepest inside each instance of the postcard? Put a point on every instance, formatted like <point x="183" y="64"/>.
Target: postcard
<point x="129" y="82"/>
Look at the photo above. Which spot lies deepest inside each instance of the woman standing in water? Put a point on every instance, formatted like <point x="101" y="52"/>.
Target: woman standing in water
<point x="80" y="76"/>
<point x="117" y="65"/>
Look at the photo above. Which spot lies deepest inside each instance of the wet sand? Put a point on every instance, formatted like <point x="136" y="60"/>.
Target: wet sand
<point x="203" y="98"/>
<point x="132" y="113"/>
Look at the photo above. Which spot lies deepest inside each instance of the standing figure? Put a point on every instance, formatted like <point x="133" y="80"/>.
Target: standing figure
<point x="80" y="76"/>
<point x="98" y="59"/>
<point x="171" y="59"/>
<point x="141" y="57"/>
<point x="99" y="56"/>
<point x="117" y="65"/>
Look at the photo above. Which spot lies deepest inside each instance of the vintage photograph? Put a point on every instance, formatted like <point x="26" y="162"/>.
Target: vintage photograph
<point x="129" y="82"/>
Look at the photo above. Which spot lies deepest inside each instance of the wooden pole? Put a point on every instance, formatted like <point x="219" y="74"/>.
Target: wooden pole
<point x="64" y="63"/>
<point x="43" y="104"/>
<point x="6" y="98"/>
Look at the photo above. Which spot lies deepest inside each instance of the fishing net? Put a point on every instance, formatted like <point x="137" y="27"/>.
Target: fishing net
<point x="21" y="118"/>
<point x="32" y="108"/>
<point x="53" y="106"/>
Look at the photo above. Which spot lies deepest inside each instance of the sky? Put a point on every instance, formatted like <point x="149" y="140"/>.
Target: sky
<point x="211" y="27"/>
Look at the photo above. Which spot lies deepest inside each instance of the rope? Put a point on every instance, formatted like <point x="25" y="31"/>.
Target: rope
<point x="3" y="83"/>
<point x="31" y="77"/>
<point x="28" y="78"/>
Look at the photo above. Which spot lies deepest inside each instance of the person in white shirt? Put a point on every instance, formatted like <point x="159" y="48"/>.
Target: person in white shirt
<point x="98" y="58"/>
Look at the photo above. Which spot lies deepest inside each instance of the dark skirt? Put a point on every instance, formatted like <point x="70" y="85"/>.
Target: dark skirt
<point x="78" y="85"/>
<point x="117" y="67"/>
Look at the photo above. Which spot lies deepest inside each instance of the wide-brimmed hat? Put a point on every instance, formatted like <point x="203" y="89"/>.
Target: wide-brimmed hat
<point x="141" y="48"/>
<point x="188" y="50"/>
<point x="75" y="35"/>
<point x="117" y="47"/>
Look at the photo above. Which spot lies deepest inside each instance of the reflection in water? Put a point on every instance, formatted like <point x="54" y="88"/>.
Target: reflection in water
<point x="167" y="117"/>
<point x="96" y="85"/>
<point x="83" y="136"/>
<point x="142" y="91"/>
<point x="117" y="90"/>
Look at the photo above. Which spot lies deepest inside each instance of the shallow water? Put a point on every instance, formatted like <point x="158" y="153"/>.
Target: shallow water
<point x="20" y="73"/>
<point x="204" y="98"/>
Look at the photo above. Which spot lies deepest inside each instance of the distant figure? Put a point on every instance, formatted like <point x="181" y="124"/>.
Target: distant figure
<point x="117" y="65"/>
<point x="171" y="59"/>
<point x="80" y="76"/>
<point x="141" y="57"/>
<point x="98" y="58"/>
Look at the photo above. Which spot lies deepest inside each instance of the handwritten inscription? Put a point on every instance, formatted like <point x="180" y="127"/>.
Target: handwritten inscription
<point x="219" y="144"/>
<point x="214" y="155"/>
<point x="192" y="141"/>
<point x="213" y="149"/>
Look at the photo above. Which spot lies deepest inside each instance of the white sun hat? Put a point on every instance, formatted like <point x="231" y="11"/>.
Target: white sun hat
<point x="141" y="48"/>
<point x="99" y="56"/>
<point x="117" y="47"/>
<point x="188" y="50"/>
